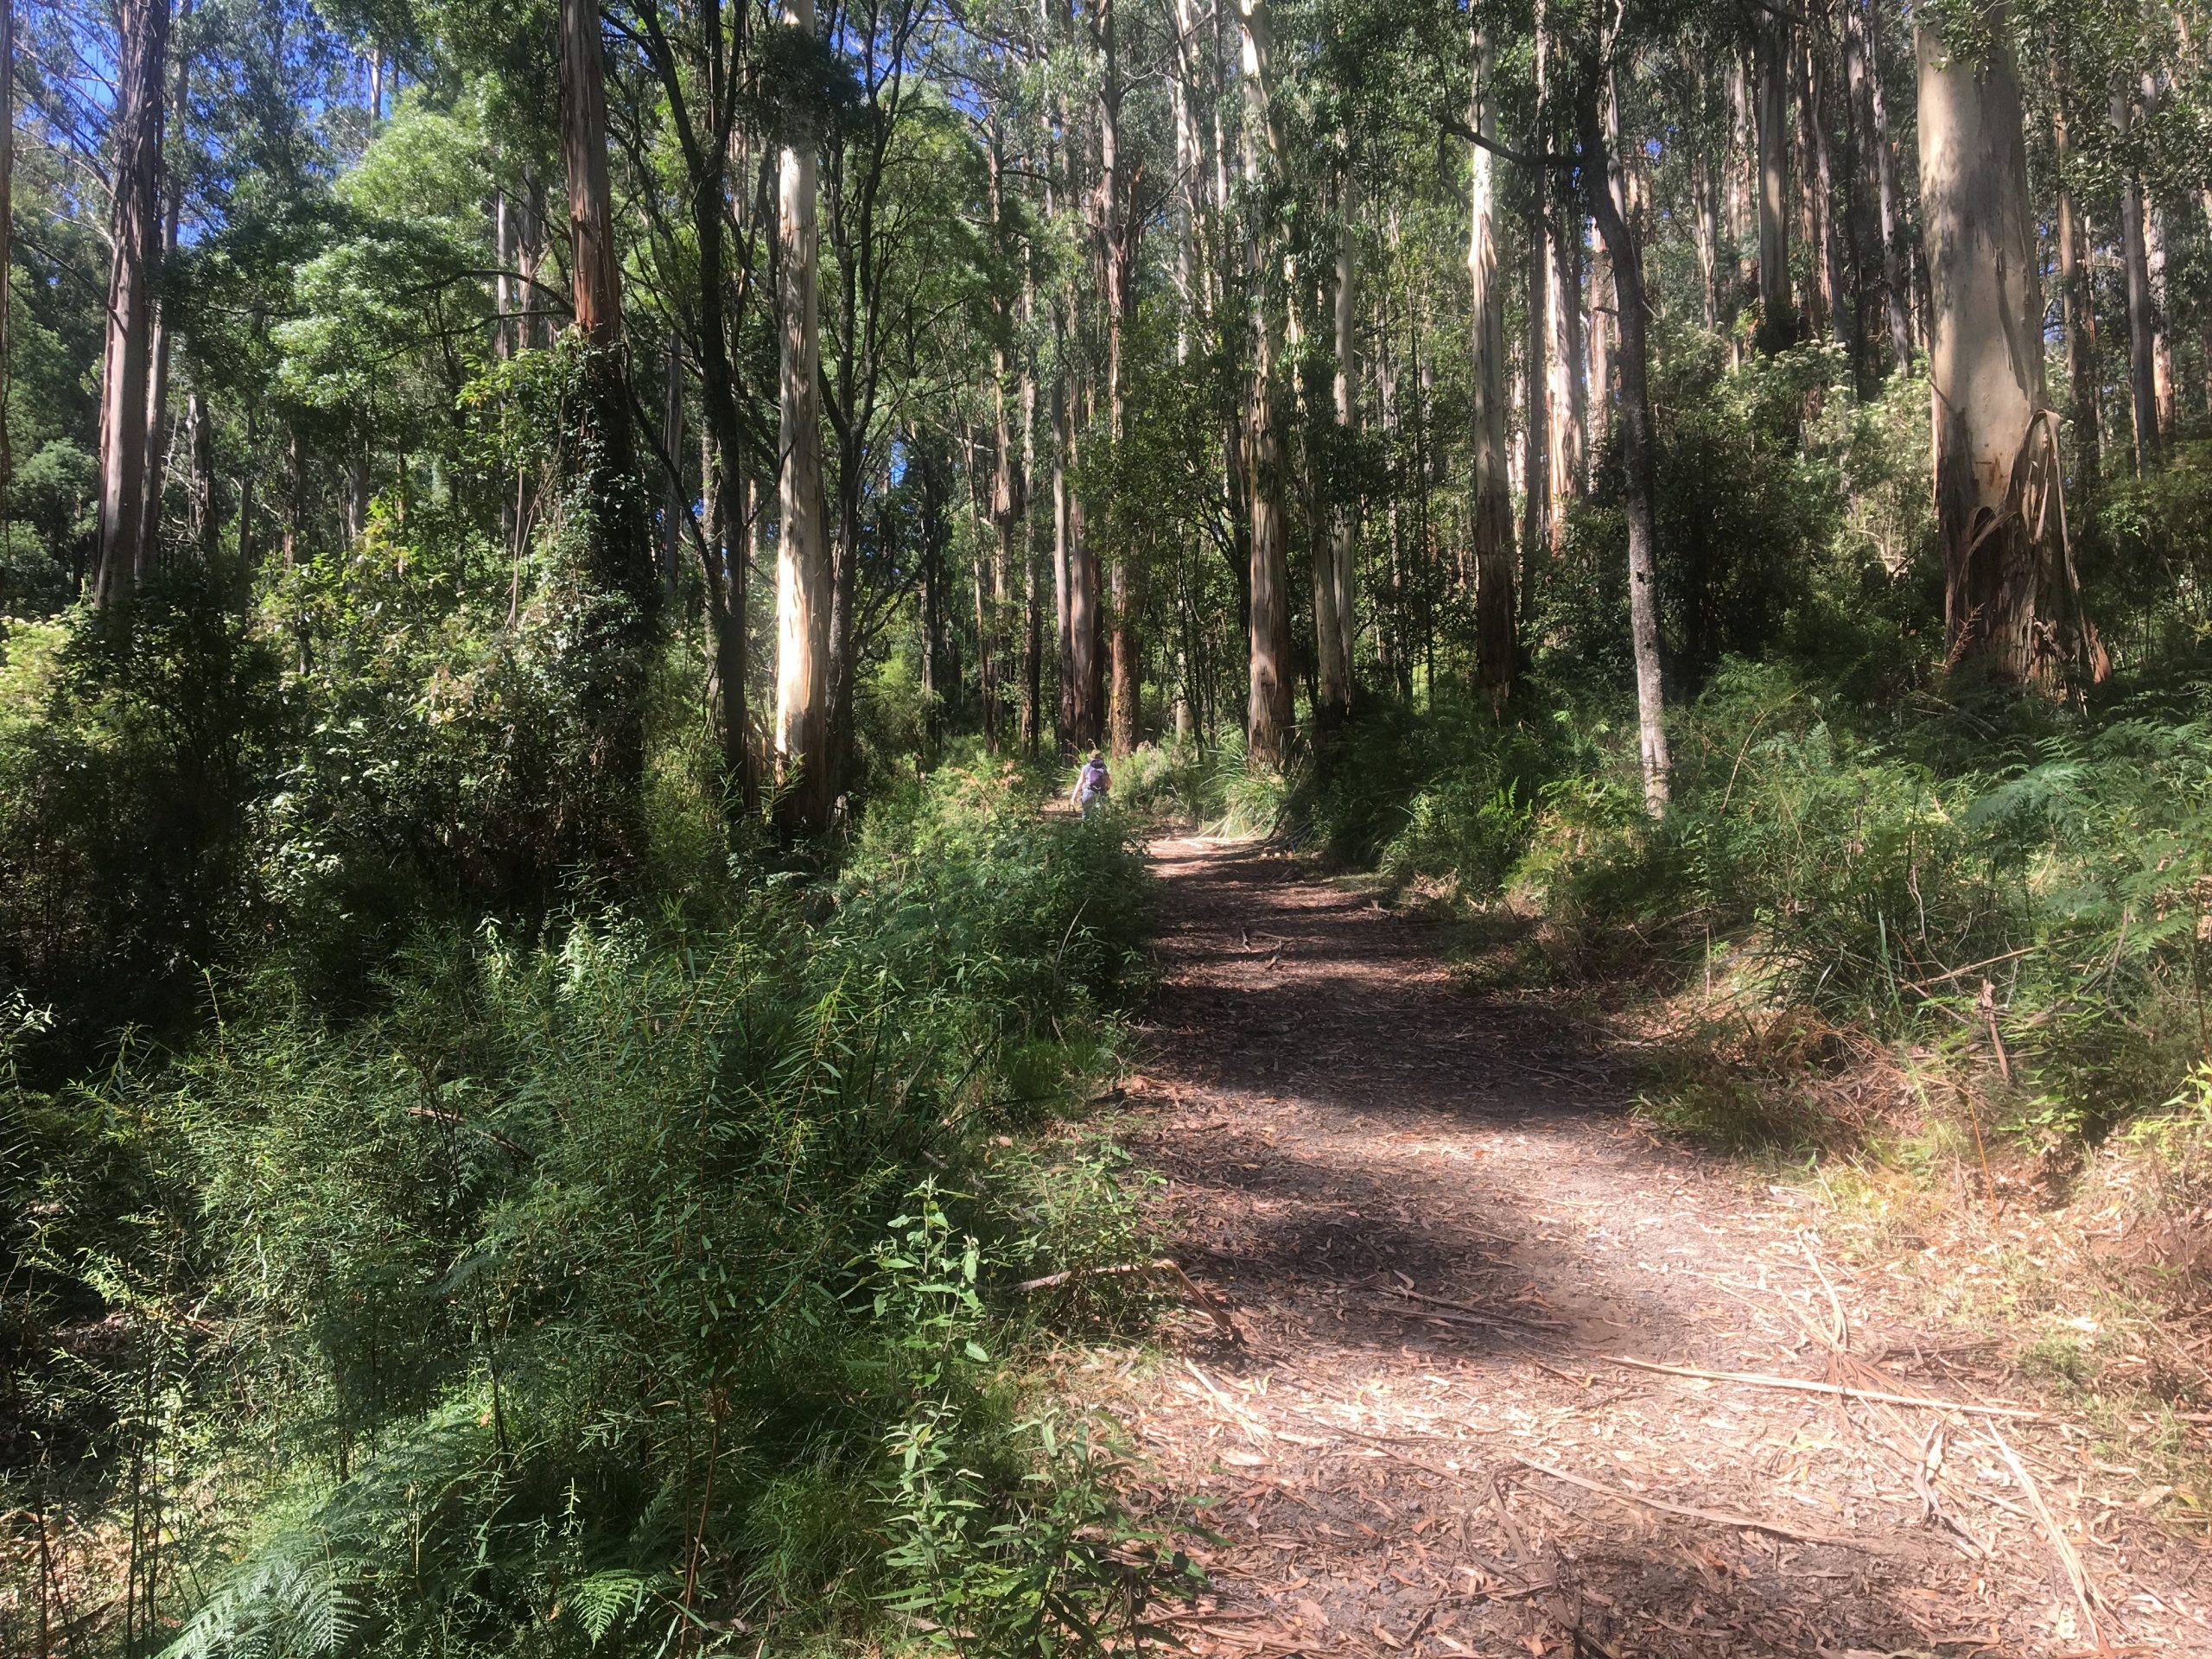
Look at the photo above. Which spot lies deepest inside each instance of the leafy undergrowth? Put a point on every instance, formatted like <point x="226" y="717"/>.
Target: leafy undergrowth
<point x="638" y="1287"/>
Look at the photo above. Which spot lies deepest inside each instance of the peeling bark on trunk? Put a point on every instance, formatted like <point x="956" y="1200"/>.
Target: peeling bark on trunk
<point x="805" y="788"/>
<point x="136" y="230"/>
<point x="2011" y="609"/>
<point x="1496" y="638"/>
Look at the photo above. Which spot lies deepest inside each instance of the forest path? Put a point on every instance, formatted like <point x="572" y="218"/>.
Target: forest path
<point x="1344" y="1127"/>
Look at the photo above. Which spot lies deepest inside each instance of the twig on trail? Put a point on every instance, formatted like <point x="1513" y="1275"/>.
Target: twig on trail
<point x="1808" y="1385"/>
<point x="1514" y="1540"/>
<point x="1718" y="1517"/>
<point x="2069" y="1560"/>
<point x="1840" y="1337"/>
<point x="1483" y="1314"/>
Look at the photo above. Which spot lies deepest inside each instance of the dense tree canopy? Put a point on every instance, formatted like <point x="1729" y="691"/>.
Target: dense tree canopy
<point x="485" y="474"/>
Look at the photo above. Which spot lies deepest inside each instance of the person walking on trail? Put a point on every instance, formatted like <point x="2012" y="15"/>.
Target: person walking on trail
<point x="1091" y="785"/>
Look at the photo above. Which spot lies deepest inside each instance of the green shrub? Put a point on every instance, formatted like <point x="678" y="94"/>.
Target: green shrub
<point x="602" y="1282"/>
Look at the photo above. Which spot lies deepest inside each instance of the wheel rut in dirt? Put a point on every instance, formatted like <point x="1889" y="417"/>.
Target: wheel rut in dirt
<point x="1436" y="1230"/>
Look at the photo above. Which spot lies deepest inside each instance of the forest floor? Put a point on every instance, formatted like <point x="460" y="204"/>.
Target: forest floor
<point x="1437" y="1232"/>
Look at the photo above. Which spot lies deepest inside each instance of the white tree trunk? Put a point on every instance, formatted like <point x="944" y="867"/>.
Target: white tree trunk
<point x="803" y="785"/>
<point x="1496" y="644"/>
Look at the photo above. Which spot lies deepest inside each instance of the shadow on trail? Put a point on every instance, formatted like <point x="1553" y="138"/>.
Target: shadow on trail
<point x="1346" y="1131"/>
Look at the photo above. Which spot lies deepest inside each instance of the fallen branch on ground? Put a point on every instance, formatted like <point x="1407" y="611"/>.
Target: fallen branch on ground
<point x="1808" y="1385"/>
<point x="1479" y="1312"/>
<point x="1717" y="1517"/>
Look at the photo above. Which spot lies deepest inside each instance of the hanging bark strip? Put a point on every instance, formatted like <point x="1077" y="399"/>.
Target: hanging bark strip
<point x="2012" y="610"/>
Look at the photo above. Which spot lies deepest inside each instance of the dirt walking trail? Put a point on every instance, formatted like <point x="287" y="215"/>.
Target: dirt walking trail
<point x="1430" y="1220"/>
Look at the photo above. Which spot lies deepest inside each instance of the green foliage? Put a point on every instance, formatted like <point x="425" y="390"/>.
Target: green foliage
<point x="625" y="1278"/>
<point x="132" y="761"/>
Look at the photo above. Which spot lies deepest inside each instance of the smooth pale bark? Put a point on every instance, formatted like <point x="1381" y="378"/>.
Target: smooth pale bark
<point x="1345" y="552"/>
<point x="1268" y="715"/>
<point x="1569" y="386"/>
<point x="1598" y="334"/>
<point x="1770" y="102"/>
<point x="1610" y="206"/>
<point x="157" y="349"/>
<point x="805" y="786"/>
<point x="2142" y="328"/>
<point x="503" y="298"/>
<point x="201" y="430"/>
<point x="2162" y="346"/>
<point x="2010" y="610"/>
<point x="2077" y="306"/>
<point x="1496" y="641"/>
<point x="1536" y="441"/>
<point x="134" y="237"/>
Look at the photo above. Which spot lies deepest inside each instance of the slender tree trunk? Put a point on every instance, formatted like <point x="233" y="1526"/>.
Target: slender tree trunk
<point x="1569" y="384"/>
<point x="1115" y="246"/>
<point x="1032" y="649"/>
<point x="673" y="508"/>
<point x="2162" y="346"/>
<point x="2078" y="307"/>
<point x="2142" y="328"/>
<point x="7" y="226"/>
<point x="157" y="350"/>
<point x="1497" y="639"/>
<point x="1332" y="684"/>
<point x="202" y="429"/>
<point x="1778" y="316"/>
<point x="505" y="301"/>
<point x="136" y="231"/>
<point x="2012" y="610"/>
<point x="1267" y="718"/>
<point x="1536" y="468"/>
<point x="1345" y="555"/>
<point x="1835" y="288"/>
<point x="806" y="790"/>
<point x="1896" y="288"/>
<point x="1608" y="202"/>
<point x="606" y="496"/>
